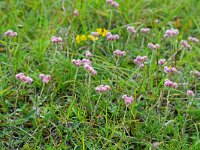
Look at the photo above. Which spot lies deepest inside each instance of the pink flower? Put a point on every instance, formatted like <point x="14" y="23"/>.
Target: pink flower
<point x="185" y="44"/>
<point x="190" y="93"/>
<point x="153" y="47"/>
<point x="170" y="69"/>
<point x="161" y="62"/>
<point x="145" y="30"/>
<point x="171" y="33"/>
<point x="111" y="37"/>
<point x="109" y="1"/>
<point x="169" y="83"/>
<point x="131" y="29"/>
<point x="45" y="78"/>
<point x="76" y="13"/>
<point x="139" y="60"/>
<point x="88" y="54"/>
<point x="86" y="61"/>
<point x="193" y="39"/>
<point x="23" y="78"/>
<point x="77" y="62"/>
<point x="95" y="34"/>
<point x="90" y="69"/>
<point x="127" y="100"/>
<point x="102" y="88"/>
<point x="119" y="53"/>
<point x="55" y="39"/>
<point x="114" y="4"/>
<point x="10" y="33"/>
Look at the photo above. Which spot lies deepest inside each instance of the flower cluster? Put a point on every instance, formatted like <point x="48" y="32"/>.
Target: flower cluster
<point x="131" y="29"/>
<point x="102" y="88"/>
<point x="128" y="100"/>
<point x="139" y="60"/>
<point x="77" y="62"/>
<point x="55" y="39"/>
<point x="23" y="78"/>
<point x="10" y="33"/>
<point x="45" y="78"/>
<point x="190" y="93"/>
<point x="88" y="54"/>
<point x="171" y="33"/>
<point x="193" y="39"/>
<point x="112" y="3"/>
<point x="161" y="61"/>
<point x="170" y="69"/>
<point x="185" y="44"/>
<point x="145" y="30"/>
<point x="80" y="38"/>
<point x="90" y="69"/>
<point x="119" y="53"/>
<point x="76" y="13"/>
<point x="169" y="83"/>
<point x="101" y="31"/>
<point x="111" y="37"/>
<point x="153" y="46"/>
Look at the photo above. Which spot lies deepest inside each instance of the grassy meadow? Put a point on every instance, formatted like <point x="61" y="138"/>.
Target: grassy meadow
<point x="63" y="85"/>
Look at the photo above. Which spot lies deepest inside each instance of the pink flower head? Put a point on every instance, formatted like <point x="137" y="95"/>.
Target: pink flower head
<point x="131" y="29"/>
<point x="171" y="33"/>
<point x="190" y="93"/>
<point x="193" y="39"/>
<point x="109" y="1"/>
<point x="95" y="34"/>
<point x="45" y="78"/>
<point x="161" y="61"/>
<point x="10" y="33"/>
<point x="88" y="54"/>
<point x="153" y="47"/>
<point x="77" y="62"/>
<point x="114" y="4"/>
<point x="102" y="88"/>
<point x="170" y="69"/>
<point x="86" y="61"/>
<point x="23" y="78"/>
<point x="55" y="39"/>
<point x="185" y="44"/>
<point x="169" y="83"/>
<point x="145" y="30"/>
<point x="76" y="13"/>
<point x="127" y="100"/>
<point x="111" y="37"/>
<point x="108" y="34"/>
<point x="90" y="69"/>
<point x="119" y="53"/>
<point x="139" y="60"/>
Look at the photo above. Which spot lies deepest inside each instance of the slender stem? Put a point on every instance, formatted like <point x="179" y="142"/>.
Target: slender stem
<point x="95" y="107"/>
<point x="75" y="77"/>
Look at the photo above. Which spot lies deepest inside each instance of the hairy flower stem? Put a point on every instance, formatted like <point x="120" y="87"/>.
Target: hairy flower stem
<point x="95" y="108"/>
<point x="75" y="77"/>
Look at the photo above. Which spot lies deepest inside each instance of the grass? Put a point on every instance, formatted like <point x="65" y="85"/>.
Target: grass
<point x="70" y="114"/>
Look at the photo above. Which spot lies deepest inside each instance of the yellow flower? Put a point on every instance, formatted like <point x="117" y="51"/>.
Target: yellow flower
<point x="83" y="38"/>
<point x="78" y="39"/>
<point x="99" y="30"/>
<point x="104" y="32"/>
<point x="91" y="37"/>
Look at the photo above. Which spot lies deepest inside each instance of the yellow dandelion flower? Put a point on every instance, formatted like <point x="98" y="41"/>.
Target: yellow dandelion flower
<point x="83" y="38"/>
<point x="91" y="37"/>
<point x="99" y="30"/>
<point x="104" y="32"/>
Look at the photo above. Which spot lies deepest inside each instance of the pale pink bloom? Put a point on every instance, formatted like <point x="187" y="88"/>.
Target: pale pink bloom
<point x="145" y="30"/>
<point x="111" y="37"/>
<point x="193" y="39"/>
<point x="45" y="78"/>
<point x="55" y="39"/>
<point x="88" y="54"/>
<point x="19" y="75"/>
<point x="95" y="34"/>
<point x="128" y="100"/>
<point x="171" y="33"/>
<point x="161" y="61"/>
<point x="42" y="76"/>
<point x="195" y="72"/>
<point x="109" y="1"/>
<point x="114" y="4"/>
<point x="169" y="83"/>
<point x="86" y="61"/>
<point x="139" y="60"/>
<point x="153" y="47"/>
<point x="23" y="78"/>
<point x="10" y="33"/>
<point x="131" y="29"/>
<point x="102" y="88"/>
<point x="108" y="34"/>
<point x="185" y="44"/>
<point x="90" y="69"/>
<point x="170" y="69"/>
<point x="77" y="62"/>
<point x="29" y="79"/>
<point x="119" y="53"/>
<point x="190" y="93"/>
<point x="116" y="37"/>
<point x="76" y="13"/>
